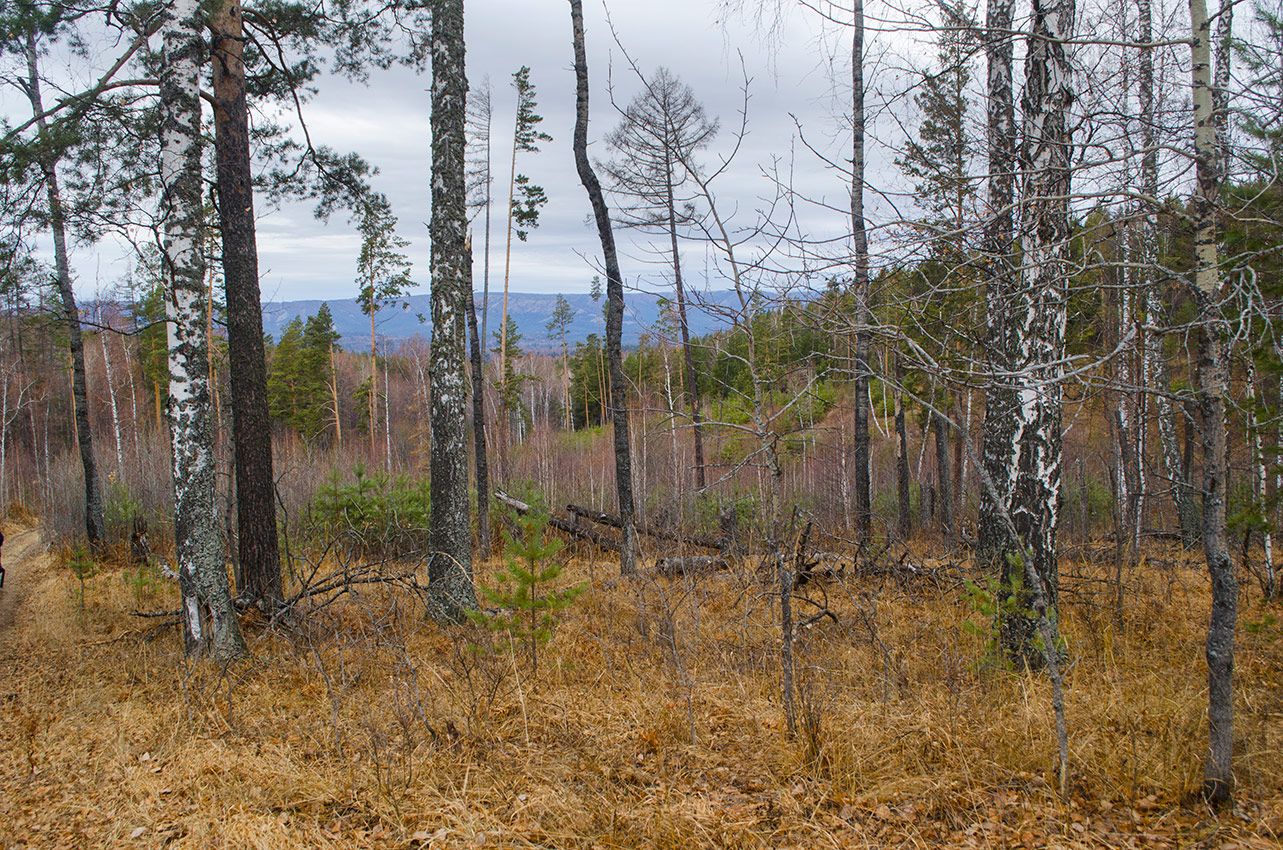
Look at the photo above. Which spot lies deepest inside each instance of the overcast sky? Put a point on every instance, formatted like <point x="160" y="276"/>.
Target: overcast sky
<point x="794" y="81"/>
<point x="388" y="123"/>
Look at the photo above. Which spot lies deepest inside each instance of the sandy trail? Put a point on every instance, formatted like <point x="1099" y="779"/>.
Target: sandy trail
<point x="22" y="546"/>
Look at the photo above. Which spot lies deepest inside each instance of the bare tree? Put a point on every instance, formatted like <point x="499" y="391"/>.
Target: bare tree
<point x="614" y="297"/>
<point x="1218" y="777"/>
<point x="663" y="126"/>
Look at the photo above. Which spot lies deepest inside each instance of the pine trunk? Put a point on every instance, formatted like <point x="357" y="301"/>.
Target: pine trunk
<point x="259" y="558"/>
<point x="95" y="530"/>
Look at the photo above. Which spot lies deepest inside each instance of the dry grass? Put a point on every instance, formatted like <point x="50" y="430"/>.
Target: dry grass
<point x="654" y="721"/>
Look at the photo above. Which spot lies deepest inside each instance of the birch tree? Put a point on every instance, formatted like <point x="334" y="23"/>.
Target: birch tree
<point x="998" y="457"/>
<point x="450" y="568"/>
<point x="1039" y="314"/>
<point x="209" y="621"/>
<point x="1218" y="777"/>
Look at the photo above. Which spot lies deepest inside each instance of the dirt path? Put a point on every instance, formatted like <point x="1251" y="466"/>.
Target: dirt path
<point x="22" y="545"/>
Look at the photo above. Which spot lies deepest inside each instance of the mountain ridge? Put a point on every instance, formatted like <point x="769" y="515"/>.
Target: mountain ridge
<point x="530" y="310"/>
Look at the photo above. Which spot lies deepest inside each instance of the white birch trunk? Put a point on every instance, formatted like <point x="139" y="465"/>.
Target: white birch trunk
<point x="1218" y="777"/>
<point x="209" y="620"/>
<point x="115" y="413"/>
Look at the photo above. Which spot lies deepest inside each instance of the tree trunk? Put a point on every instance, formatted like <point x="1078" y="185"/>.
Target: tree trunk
<point x="860" y="285"/>
<point x="259" y="557"/>
<point x="902" y="458"/>
<point x="209" y="620"/>
<point x="111" y="399"/>
<point x="1040" y="314"/>
<point x="450" y="567"/>
<point x="614" y="296"/>
<point x="478" y="420"/>
<point x="998" y="453"/>
<point x="944" y="480"/>
<point x="1218" y="777"/>
<point x="334" y="402"/>
<point x="688" y="356"/>
<point x="95" y="530"/>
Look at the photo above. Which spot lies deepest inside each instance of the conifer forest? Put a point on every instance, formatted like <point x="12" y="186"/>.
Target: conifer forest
<point x="864" y="432"/>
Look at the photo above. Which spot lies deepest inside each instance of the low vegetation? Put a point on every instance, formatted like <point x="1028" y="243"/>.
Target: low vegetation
<point x="653" y="719"/>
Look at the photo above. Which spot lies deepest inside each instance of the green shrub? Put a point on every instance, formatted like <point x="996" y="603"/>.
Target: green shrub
<point x="373" y="515"/>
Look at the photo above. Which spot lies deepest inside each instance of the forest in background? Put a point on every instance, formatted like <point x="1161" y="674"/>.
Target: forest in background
<point x="1014" y="409"/>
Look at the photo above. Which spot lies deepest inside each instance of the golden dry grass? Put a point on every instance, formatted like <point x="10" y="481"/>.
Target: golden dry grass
<point x="654" y="720"/>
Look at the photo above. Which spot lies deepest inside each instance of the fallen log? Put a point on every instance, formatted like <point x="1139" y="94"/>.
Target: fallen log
<point x="570" y="527"/>
<point x="603" y="518"/>
<point x="690" y="565"/>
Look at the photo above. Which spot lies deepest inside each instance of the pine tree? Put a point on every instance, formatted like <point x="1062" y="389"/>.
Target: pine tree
<point x="383" y="275"/>
<point x="939" y="160"/>
<point x="525" y="199"/>
<point x="511" y="382"/>
<point x="562" y="315"/>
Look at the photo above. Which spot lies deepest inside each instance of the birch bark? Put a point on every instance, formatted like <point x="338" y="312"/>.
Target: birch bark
<point x="209" y="622"/>
<point x="1218" y="777"/>
<point x="1039" y="315"/>
<point x="450" y="568"/>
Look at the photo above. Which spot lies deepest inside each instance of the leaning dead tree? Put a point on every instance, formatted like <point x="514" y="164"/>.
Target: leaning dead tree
<point x="614" y="296"/>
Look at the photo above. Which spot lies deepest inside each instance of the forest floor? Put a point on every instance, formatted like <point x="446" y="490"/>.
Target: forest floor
<point x="652" y="718"/>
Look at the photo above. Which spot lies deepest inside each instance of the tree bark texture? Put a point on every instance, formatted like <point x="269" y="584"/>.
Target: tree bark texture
<point x="940" y="428"/>
<point x="1218" y="777"/>
<point x="905" y="524"/>
<point x="95" y="530"/>
<point x="1039" y="314"/>
<point x="209" y="621"/>
<point x="479" y="420"/>
<point x="860" y="285"/>
<point x="998" y="441"/>
<point x="614" y="298"/>
<point x="450" y="534"/>
<point x="260" y="560"/>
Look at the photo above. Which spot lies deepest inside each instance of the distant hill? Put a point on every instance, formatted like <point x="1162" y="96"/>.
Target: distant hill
<point x="531" y="311"/>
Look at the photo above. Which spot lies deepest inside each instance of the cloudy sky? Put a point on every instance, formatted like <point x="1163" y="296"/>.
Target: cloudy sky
<point x="387" y="122"/>
<point x="800" y="78"/>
